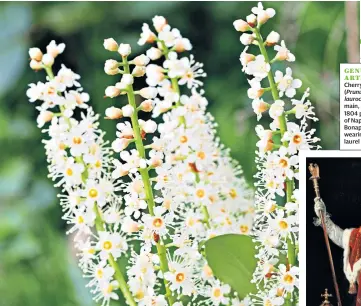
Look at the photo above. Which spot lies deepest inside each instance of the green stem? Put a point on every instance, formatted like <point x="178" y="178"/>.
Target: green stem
<point x="283" y="128"/>
<point x="99" y="224"/>
<point x="161" y="250"/>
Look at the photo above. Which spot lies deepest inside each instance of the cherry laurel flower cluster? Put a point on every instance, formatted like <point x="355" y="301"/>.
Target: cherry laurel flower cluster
<point x="182" y="187"/>
<point x="170" y="187"/>
<point x="276" y="221"/>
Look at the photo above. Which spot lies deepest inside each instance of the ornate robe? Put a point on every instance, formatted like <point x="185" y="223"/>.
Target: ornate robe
<point x="351" y="243"/>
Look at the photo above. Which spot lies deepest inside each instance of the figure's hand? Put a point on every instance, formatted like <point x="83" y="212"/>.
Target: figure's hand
<point x="319" y="207"/>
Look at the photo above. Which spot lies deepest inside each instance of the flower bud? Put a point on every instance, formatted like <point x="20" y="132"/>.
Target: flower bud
<point x="35" y="65"/>
<point x="127" y="79"/>
<point x="124" y="50"/>
<point x="146" y="105"/>
<point x="127" y="110"/>
<point x="148" y="92"/>
<point x="48" y="60"/>
<point x="154" y="53"/>
<point x="111" y="64"/>
<point x="35" y="54"/>
<point x="246" y="58"/>
<point x="272" y="38"/>
<point x="159" y="22"/>
<point x="121" y="86"/>
<point x="43" y="117"/>
<point x="113" y="113"/>
<point x="111" y="71"/>
<point x="262" y="17"/>
<point x="141" y="60"/>
<point x="110" y="44"/>
<point x="130" y="226"/>
<point x="252" y="20"/>
<point x="241" y="26"/>
<point x="259" y="106"/>
<point x="120" y="144"/>
<point x="138" y="71"/>
<point x="246" y="39"/>
<point x="148" y="126"/>
<point x="182" y="44"/>
<point x="112" y="92"/>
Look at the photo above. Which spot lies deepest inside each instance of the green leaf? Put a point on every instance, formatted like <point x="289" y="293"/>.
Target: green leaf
<point x="232" y="260"/>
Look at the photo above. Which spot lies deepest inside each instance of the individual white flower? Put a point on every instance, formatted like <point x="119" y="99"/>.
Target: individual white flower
<point x="259" y="68"/>
<point x="158" y="222"/>
<point x="110" y="44"/>
<point x="182" y="44"/>
<point x="134" y="205"/>
<point x="107" y="292"/>
<point x="276" y="109"/>
<point x="180" y="277"/>
<point x="283" y="225"/>
<point x="35" y="54"/>
<point x="35" y="91"/>
<point x="124" y="50"/>
<point x="100" y="272"/>
<point x="113" y="113"/>
<point x="265" y="143"/>
<point x="241" y="25"/>
<point x="263" y="15"/>
<point x="283" y="53"/>
<point x="255" y="91"/>
<point x="155" y="74"/>
<point x="72" y="172"/>
<point x="286" y="84"/>
<point x="218" y="293"/>
<point x="288" y="277"/>
<point x="147" y="36"/>
<point x="54" y="49"/>
<point x="67" y="77"/>
<point x="193" y="70"/>
<point x="246" y="39"/>
<point x="245" y="58"/>
<point x="259" y="107"/>
<point x="169" y="36"/>
<point x="159" y="22"/>
<point x="272" y="38"/>
<point x="133" y="161"/>
<point x="111" y="244"/>
<point x="120" y="169"/>
<point x="154" y="53"/>
<point x="298" y="140"/>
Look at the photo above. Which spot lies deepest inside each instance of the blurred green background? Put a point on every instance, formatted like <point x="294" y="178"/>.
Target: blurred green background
<point x="37" y="265"/>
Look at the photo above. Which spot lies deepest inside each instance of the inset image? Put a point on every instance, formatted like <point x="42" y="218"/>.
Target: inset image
<point x="333" y="232"/>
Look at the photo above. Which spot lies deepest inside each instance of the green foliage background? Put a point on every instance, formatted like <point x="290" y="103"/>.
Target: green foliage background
<point x="37" y="265"/>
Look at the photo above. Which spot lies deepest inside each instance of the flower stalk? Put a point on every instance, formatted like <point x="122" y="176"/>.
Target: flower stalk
<point x="276" y="226"/>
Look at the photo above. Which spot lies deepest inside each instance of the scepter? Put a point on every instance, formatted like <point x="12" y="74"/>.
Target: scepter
<point x="315" y="172"/>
